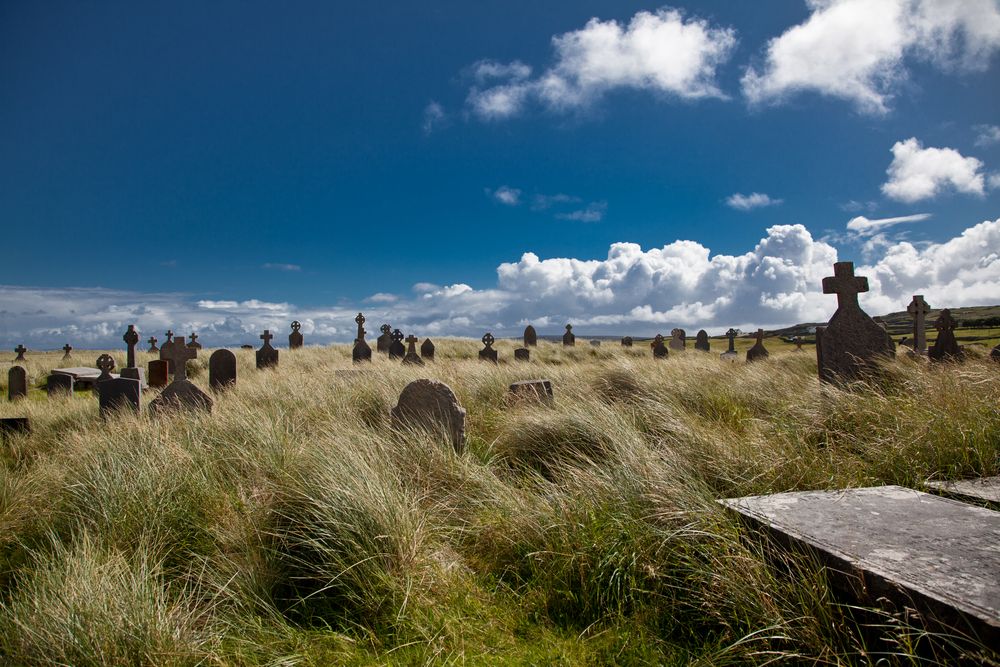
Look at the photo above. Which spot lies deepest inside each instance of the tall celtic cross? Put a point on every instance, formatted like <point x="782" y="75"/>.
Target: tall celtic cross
<point x="731" y="335"/>
<point x="918" y="310"/>
<point x="360" y="319"/>
<point x="178" y="355"/>
<point x="845" y="285"/>
<point x="131" y="338"/>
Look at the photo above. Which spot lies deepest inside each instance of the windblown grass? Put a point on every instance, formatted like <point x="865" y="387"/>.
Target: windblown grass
<point x="294" y="526"/>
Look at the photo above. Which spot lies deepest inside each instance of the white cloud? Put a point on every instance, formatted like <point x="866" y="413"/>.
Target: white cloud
<point x="918" y="173"/>
<point x="853" y="206"/>
<point x="434" y="117"/>
<point x="993" y="180"/>
<point x="271" y="266"/>
<point x="506" y="195"/>
<point x="753" y="200"/>
<point x="382" y="297"/>
<point x="656" y="51"/>
<point x="594" y="212"/>
<point x="858" y="50"/>
<point x="865" y="227"/>
<point x="987" y="135"/>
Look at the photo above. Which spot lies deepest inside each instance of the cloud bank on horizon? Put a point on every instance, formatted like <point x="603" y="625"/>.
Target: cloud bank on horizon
<point x="631" y="291"/>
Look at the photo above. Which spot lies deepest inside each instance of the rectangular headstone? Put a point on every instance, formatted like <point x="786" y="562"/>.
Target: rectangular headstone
<point x="938" y="555"/>
<point x="59" y="383"/>
<point x="119" y="393"/>
<point x="985" y="489"/>
<point x="14" y="425"/>
<point x="159" y="373"/>
<point x="533" y="390"/>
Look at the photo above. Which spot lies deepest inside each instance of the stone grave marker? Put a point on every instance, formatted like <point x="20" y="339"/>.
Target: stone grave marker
<point x="119" y="394"/>
<point x="982" y="489"/>
<point x="181" y="394"/>
<point x="995" y="354"/>
<point x="20" y="349"/>
<point x="595" y="343"/>
<point x="798" y="340"/>
<point x="361" y="350"/>
<point x="14" y="425"/>
<point x="59" y="383"/>
<point x="758" y="351"/>
<point x="912" y="548"/>
<point x="383" y="342"/>
<point x="396" y="349"/>
<point x="530" y="336"/>
<point x="660" y="350"/>
<point x="888" y="337"/>
<point x="945" y="348"/>
<point x="678" y="340"/>
<point x="159" y="373"/>
<point x="627" y="341"/>
<point x="431" y="405"/>
<point x="488" y="353"/>
<point x="412" y="358"/>
<point x="534" y="391"/>
<point x="851" y="344"/>
<point x="701" y="341"/>
<point x="194" y="341"/>
<point x="221" y="370"/>
<point x="17" y="383"/>
<point x="267" y="356"/>
<point x="427" y="349"/>
<point x="569" y="339"/>
<point x="131" y="339"/>
<point x="295" y="339"/>
<point x="67" y="348"/>
<point x="246" y="347"/>
<point x="105" y="364"/>
<point x="152" y="345"/>
<point x="918" y="310"/>
<point x="165" y="350"/>
<point x="522" y="354"/>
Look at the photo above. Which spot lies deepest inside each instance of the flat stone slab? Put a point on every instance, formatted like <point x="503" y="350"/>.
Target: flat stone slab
<point x="936" y="554"/>
<point x="985" y="489"/>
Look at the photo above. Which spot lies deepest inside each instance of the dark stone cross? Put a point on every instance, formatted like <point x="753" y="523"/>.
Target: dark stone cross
<point x="267" y="356"/>
<point x="106" y="364"/>
<point x="411" y="352"/>
<point x="178" y="356"/>
<point x="131" y="339"/>
<point x="798" y="343"/>
<point x="918" y="310"/>
<point x="194" y="341"/>
<point x="845" y="285"/>
<point x="152" y="344"/>
<point x="361" y="351"/>
<point x="488" y="353"/>
<point x="731" y="335"/>
<point x="396" y="349"/>
<point x="20" y="349"/>
<point x="165" y="349"/>
<point x="569" y="338"/>
<point x="295" y="338"/>
<point x="945" y="347"/>
<point x="67" y="348"/>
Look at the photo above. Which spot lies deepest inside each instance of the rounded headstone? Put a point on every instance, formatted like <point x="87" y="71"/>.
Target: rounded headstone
<point x="432" y="405"/>
<point x="221" y="369"/>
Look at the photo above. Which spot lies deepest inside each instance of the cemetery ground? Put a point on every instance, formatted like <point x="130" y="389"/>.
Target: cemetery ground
<point x="295" y="525"/>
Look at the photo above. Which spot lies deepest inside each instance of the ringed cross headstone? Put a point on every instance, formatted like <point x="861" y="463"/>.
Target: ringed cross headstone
<point x="758" y="351"/>
<point x="569" y="339"/>
<point x="918" y="310"/>
<point x="427" y="349"/>
<point x="530" y="336"/>
<point x="295" y="339"/>
<point x="945" y="348"/>
<point x="396" y="349"/>
<point x="105" y="364"/>
<point x="221" y="370"/>
<point x="17" y="383"/>
<point x="383" y="342"/>
<point x="412" y="358"/>
<point x="488" y="353"/>
<point x="730" y="354"/>
<point x="267" y="356"/>
<point x="361" y="351"/>
<point x="701" y="341"/>
<point x="20" y="349"/>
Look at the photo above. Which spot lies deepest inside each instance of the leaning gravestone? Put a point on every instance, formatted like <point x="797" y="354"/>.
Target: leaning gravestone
<point x="17" y="383"/>
<point x="851" y="344"/>
<point x="159" y="373"/>
<point x="945" y="348"/>
<point x="383" y="342"/>
<point x="522" y="354"/>
<point x="432" y="405"/>
<point x="427" y="349"/>
<point x="119" y="394"/>
<point x="165" y="350"/>
<point x="730" y="354"/>
<point x="181" y="394"/>
<point x="627" y="341"/>
<point x="758" y="351"/>
<point x="678" y="340"/>
<point x="412" y="358"/>
<point x="488" y="353"/>
<point x="530" y="336"/>
<point x="918" y="310"/>
<point x="267" y="356"/>
<point x="221" y="370"/>
<point x="67" y="348"/>
<point x="361" y="350"/>
<point x="534" y="391"/>
<point x="701" y="341"/>
<point x="660" y="350"/>
<point x="152" y="345"/>
<point x="59" y="383"/>
<point x="295" y="339"/>
<point x="396" y="349"/>
<point x="194" y="341"/>
<point x="20" y="349"/>
<point x="569" y="339"/>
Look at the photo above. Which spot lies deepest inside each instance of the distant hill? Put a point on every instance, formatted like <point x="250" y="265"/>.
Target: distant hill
<point x="899" y="323"/>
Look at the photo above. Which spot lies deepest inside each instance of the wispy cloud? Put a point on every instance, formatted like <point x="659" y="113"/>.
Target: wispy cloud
<point x="987" y="135"/>
<point x="272" y="266"/>
<point x="865" y="227"/>
<point x="506" y="195"/>
<point x="742" y="202"/>
<point x="593" y="212"/>
<point x="434" y="117"/>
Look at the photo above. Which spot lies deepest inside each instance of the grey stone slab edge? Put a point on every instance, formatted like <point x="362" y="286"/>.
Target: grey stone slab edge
<point x="986" y="489"/>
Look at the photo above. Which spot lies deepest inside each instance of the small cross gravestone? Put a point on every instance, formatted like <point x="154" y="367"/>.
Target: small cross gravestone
<point x="17" y="383"/>
<point x="530" y="336"/>
<point x="522" y="354"/>
<point x="59" y="383"/>
<point x="412" y="358"/>
<point x="194" y="341"/>
<point x="678" y="340"/>
<point x="701" y="341"/>
<point x="427" y="349"/>
<point x="569" y="339"/>
<point x="660" y="350"/>
<point x="131" y="339"/>
<point x="945" y="348"/>
<point x="852" y="343"/>
<point x="14" y="425"/>
<point x="152" y="345"/>
<point x="267" y="356"/>
<point x="433" y="406"/>
<point x="295" y="338"/>
<point x="221" y="370"/>
<point x="361" y="351"/>
<point x="20" y="349"/>
<point x="918" y="310"/>
<point x="730" y="354"/>
<point x="181" y="393"/>
<point x="67" y="348"/>
<point x="627" y="341"/>
<point x="758" y="351"/>
<point x="165" y="350"/>
<point x="396" y="349"/>
<point x="488" y="353"/>
<point x="383" y="342"/>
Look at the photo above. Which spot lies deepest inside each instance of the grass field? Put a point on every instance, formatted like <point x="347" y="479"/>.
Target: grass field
<point x="294" y="526"/>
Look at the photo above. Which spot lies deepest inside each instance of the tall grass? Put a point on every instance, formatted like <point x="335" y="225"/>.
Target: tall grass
<point x="294" y="525"/>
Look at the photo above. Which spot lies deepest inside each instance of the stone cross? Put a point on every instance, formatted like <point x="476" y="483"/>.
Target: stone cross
<point x="178" y="355"/>
<point x="194" y="341"/>
<point x="758" y="351"/>
<point x="918" y="310"/>
<point x="411" y="344"/>
<point x="360" y="319"/>
<point x="170" y="337"/>
<point x="131" y="339"/>
<point x="488" y="353"/>
<point x="106" y="364"/>
<point x="731" y="335"/>
<point x="361" y="351"/>
<point x="845" y="285"/>
<point x="152" y="344"/>
<point x="67" y="348"/>
<point x="20" y="349"/>
<point x="569" y="338"/>
<point x="411" y="353"/>
<point x="798" y="343"/>
<point x="295" y="338"/>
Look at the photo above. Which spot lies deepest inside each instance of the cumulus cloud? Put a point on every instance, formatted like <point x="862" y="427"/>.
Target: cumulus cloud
<point x="660" y="51"/>
<point x="858" y="50"/>
<point x="506" y="195"/>
<point x="918" y="173"/>
<point x="753" y="200"/>
<point x="866" y="227"/>
<point x="272" y="266"/>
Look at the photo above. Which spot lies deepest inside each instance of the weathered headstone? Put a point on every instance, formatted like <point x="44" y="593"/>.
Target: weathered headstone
<point x="533" y="391"/>
<point x="295" y="339"/>
<point x="851" y="344"/>
<point x="159" y="373"/>
<point x="59" y="383"/>
<point x="412" y="358"/>
<point x="678" y="340"/>
<point x="918" y="310"/>
<point x="106" y="364"/>
<point x="17" y="383"/>
<point x="427" y="349"/>
<point x="429" y="404"/>
<point x="396" y="349"/>
<point x="246" y="347"/>
<point x="530" y="336"/>
<point x="119" y="393"/>
<point x="67" y="348"/>
<point x="14" y="425"/>
<point x="181" y="393"/>
<point x="152" y="345"/>
<point x="165" y="349"/>
<point x="758" y="351"/>
<point x="361" y="350"/>
<point x="660" y="350"/>
<point x="522" y="354"/>
<point x="20" y="349"/>
<point x="383" y="342"/>
<point x="701" y="341"/>
<point x="178" y="357"/>
<point x="488" y="353"/>
<point x="945" y="348"/>
<point x="627" y="341"/>
<point x="569" y="339"/>
<point x="595" y="343"/>
<point x="194" y="341"/>
<point x="221" y="370"/>
<point x="730" y="354"/>
<point x="888" y="337"/>
<point x="267" y="356"/>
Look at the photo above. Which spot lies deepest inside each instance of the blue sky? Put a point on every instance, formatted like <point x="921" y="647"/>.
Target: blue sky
<point x="229" y="166"/>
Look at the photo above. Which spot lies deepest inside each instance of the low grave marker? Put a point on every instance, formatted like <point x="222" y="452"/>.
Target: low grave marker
<point x="17" y="383"/>
<point x="412" y="358"/>
<point x="701" y="341"/>
<point x="295" y="339"/>
<point x="267" y="356"/>
<point x="59" y="383"/>
<point x="159" y="373"/>
<point x="488" y="353"/>
<point x="119" y="394"/>
<point x="427" y="349"/>
<point x="431" y="405"/>
<point x="758" y="351"/>
<point x="14" y="425"/>
<point x="627" y="341"/>
<point x="221" y="370"/>
<point x="983" y="489"/>
<point x="522" y="354"/>
<point x="535" y="391"/>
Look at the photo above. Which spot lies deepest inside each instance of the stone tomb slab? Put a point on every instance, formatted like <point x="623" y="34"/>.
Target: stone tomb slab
<point x="83" y="377"/>
<point x="935" y="554"/>
<point x="985" y="489"/>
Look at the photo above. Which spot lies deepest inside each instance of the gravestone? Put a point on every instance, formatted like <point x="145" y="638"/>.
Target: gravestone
<point x="131" y="339"/>
<point x="383" y="342"/>
<point x="105" y="364"/>
<point x="569" y="340"/>
<point x="539" y="391"/>
<point x="431" y="405"/>
<point x="361" y="350"/>
<point x="246" y="347"/>
<point x="660" y="350"/>
<point x="522" y="354"/>
<point x="798" y="340"/>
<point x="152" y="345"/>
<point x="701" y="341"/>
<point x="14" y="425"/>
<point x="888" y="338"/>
<point x="488" y="353"/>
<point x="165" y="350"/>
<point x="295" y="339"/>
<point x="627" y="341"/>
<point x="396" y="349"/>
<point x="995" y="354"/>
<point x="852" y="343"/>
<point x="918" y="310"/>
<point x="678" y="340"/>
<point x="20" y="349"/>
<point x="194" y="341"/>
<point x="427" y="349"/>
<point x="267" y="356"/>
<point x="221" y="370"/>
<point x="945" y="348"/>
<point x="530" y="336"/>
<point x="67" y="348"/>
<point x="181" y="394"/>
<point x="59" y="383"/>
<point x="730" y="354"/>
<point x="911" y="548"/>
<point x="595" y="343"/>
<point x="412" y="358"/>
<point x="758" y="351"/>
<point x="159" y="373"/>
<point x="119" y="394"/>
<point x="17" y="383"/>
